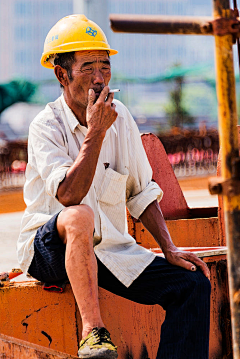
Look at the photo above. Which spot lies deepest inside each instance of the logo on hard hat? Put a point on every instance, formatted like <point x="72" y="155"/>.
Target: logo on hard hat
<point x="91" y="31"/>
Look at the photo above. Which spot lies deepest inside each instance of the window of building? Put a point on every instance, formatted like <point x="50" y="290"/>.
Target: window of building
<point x="23" y="8"/>
<point x="20" y="57"/>
<point x="23" y="33"/>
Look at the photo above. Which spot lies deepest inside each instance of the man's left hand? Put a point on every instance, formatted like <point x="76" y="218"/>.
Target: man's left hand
<point x="186" y="260"/>
<point x="153" y="220"/>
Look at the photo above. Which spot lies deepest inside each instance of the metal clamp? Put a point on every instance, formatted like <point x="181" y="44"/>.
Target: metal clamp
<point x="220" y="186"/>
<point x="226" y="26"/>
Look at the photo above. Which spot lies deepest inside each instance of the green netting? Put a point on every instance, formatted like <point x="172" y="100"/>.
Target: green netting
<point x="15" y="91"/>
<point x="196" y="72"/>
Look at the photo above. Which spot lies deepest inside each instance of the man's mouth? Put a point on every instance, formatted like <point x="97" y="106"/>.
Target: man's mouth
<point x="98" y="91"/>
<point x="97" y="94"/>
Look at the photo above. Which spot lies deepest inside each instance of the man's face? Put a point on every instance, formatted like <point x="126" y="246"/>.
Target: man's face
<point x="91" y="70"/>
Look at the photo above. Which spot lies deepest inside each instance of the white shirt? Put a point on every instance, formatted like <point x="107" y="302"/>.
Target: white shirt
<point x="55" y="138"/>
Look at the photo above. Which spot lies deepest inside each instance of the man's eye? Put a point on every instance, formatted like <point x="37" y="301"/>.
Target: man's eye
<point x="106" y="68"/>
<point x="87" y="69"/>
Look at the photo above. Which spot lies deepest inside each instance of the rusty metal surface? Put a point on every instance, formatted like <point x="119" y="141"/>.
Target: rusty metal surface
<point x="178" y="25"/>
<point x="161" y="24"/>
<point x="48" y="319"/>
<point x="184" y="233"/>
<point x="222" y="235"/>
<point x="12" y="348"/>
<point x="173" y="204"/>
<point x="135" y="328"/>
<point x="229" y="158"/>
<point x="229" y="187"/>
<point x="223" y="26"/>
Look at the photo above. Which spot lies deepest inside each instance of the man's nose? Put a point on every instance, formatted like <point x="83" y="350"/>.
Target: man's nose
<point x="98" y="77"/>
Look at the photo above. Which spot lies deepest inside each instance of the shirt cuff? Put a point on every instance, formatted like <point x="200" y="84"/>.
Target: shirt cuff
<point x="54" y="179"/>
<point x="137" y="204"/>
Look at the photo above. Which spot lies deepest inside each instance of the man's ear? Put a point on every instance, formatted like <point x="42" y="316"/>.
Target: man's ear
<point x="61" y="75"/>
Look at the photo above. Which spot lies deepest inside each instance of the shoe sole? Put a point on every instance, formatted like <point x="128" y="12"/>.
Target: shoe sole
<point x="101" y="353"/>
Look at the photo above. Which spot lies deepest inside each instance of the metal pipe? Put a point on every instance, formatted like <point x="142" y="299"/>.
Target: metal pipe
<point x="160" y="24"/>
<point x="227" y="113"/>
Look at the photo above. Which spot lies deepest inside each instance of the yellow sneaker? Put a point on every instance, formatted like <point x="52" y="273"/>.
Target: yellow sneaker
<point x="97" y="345"/>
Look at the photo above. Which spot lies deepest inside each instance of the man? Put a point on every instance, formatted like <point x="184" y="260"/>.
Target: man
<point x="86" y="163"/>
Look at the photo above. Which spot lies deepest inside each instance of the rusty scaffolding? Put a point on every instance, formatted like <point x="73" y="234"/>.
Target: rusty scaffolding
<point x="225" y="27"/>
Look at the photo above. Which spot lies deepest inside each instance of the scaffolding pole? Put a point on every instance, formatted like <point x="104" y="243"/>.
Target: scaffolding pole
<point x="227" y="114"/>
<point x="161" y="24"/>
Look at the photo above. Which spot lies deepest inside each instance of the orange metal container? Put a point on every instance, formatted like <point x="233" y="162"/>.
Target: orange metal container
<point x="52" y="320"/>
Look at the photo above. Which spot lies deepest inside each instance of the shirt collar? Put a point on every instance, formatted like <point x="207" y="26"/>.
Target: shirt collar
<point x="73" y="122"/>
<point x="71" y="118"/>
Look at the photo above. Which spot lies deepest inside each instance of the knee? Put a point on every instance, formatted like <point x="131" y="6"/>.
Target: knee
<point x="202" y="283"/>
<point x="79" y="217"/>
<point x="206" y="284"/>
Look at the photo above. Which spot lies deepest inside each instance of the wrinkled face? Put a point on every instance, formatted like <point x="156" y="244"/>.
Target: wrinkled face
<point x="91" y="70"/>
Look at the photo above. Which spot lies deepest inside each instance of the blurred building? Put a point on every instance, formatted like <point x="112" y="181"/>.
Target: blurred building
<point x="24" y="25"/>
<point x="148" y="55"/>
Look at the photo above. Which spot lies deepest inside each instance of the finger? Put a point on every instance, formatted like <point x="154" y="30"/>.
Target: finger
<point x="182" y="262"/>
<point x="91" y="97"/>
<point x="116" y="115"/>
<point x="192" y="258"/>
<point x="204" y="268"/>
<point x="110" y="97"/>
<point x="206" y="272"/>
<point x="103" y="94"/>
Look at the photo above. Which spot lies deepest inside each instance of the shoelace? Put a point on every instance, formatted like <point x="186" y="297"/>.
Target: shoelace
<point x="101" y="335"/>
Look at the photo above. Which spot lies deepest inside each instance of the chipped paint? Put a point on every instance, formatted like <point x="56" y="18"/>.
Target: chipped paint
<point x="48" y="319"/>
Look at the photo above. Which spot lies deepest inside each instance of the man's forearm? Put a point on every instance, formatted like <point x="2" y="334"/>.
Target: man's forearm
<point x="152" y="219"/>
<point x="99" y="117"/>
<point x="80" y="175"/>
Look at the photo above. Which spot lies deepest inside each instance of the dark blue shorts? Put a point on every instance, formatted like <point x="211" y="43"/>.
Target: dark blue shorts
<point x="48" y="264"/>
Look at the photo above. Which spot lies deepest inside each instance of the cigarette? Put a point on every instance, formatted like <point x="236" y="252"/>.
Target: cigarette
<point x="114" y="90"/>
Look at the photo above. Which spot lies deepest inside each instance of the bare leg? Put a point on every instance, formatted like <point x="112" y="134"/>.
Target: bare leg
<point x="75" y="226"/>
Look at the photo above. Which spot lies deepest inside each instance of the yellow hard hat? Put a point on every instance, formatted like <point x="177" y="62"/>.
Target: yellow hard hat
<point x="74" y="33"/>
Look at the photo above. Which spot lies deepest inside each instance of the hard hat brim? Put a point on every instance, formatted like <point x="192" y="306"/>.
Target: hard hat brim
<point x="46" y="63"/>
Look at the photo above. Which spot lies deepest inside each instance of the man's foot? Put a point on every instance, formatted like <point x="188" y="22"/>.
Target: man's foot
<point x="97" y="345"/>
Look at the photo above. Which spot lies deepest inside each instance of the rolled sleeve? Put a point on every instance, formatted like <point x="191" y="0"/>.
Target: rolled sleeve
<point x="54" y="179"/>
<point x="137" y="204"/>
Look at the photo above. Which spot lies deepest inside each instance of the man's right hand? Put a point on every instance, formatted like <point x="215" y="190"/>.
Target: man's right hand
<point x="100" y="114"/>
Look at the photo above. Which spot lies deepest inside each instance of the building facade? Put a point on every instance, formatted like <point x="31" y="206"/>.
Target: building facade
<point x="148" y="55"/>
<point x="24" y="25"/>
